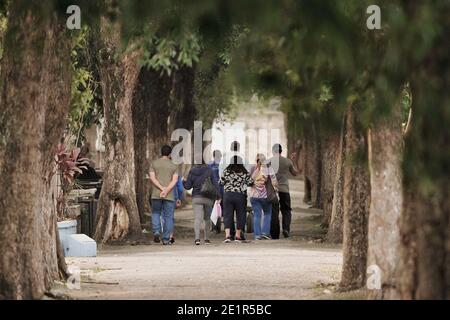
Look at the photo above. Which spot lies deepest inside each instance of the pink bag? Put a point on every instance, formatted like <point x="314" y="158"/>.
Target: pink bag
<point x="216" y="212"/>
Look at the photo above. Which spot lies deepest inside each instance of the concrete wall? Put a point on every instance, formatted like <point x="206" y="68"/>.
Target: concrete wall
<point x="257" y="125"/>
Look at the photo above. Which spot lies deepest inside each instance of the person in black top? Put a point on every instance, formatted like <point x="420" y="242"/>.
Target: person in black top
<point x="235" y="180"/>
<point x="88" y="178"/>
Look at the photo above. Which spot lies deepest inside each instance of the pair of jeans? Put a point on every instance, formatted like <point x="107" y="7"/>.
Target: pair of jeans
<point x="162" y="217"/>
<point x="234" y="202"/>
<point x="262" y="208"/>
<point x="285" y="206"/>
<point x="202" y="211"/>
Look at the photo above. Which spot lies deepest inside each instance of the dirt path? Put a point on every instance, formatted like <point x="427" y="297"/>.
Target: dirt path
<point x="294" y="268"/>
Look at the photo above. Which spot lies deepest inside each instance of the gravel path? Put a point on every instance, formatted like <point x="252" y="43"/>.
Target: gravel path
<point x="295" y="268"/>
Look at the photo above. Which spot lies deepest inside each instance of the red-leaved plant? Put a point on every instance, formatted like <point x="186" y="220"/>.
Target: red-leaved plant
<point x="68" y="166"/>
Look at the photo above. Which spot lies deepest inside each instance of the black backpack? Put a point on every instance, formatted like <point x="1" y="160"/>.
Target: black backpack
<point x="208" y="189"/>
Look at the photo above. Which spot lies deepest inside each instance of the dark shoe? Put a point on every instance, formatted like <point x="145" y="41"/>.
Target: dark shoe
<point x="238" y="240"/>
<point x="286" y="233"/>
<point x="197" y="242"/>
<point x="172" y="240"/>
<point x="264" y="237"/>
<point x="166" y="243"/>
<point x="227" y="240"/>
<point x="207" y="241"/>
<point x="157" y="238"/>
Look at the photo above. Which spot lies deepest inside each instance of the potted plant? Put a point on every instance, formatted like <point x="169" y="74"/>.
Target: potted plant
<point x="68" y="165"/>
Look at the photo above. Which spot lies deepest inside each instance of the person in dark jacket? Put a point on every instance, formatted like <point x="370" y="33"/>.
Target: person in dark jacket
<point x="201" y="204"/>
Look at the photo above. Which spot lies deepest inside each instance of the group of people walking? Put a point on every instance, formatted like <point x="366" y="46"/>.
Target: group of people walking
<point x="230" y="182"/>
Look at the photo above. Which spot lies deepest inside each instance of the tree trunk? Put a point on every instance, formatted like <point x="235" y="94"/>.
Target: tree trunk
<point x="424" y="270"/>
<point x="117" y="215"/>
<point x="386" y="200"/>
<point x="184" y="113"/>
<point x="329" y="149"/>
<point x="424" y="225"/>
<point x="34" y="102"/>
<point x="141" y="125"/>
<point x="356" y="204"/>
<point x="312" y="164"/>
<point x="335" y="229"/>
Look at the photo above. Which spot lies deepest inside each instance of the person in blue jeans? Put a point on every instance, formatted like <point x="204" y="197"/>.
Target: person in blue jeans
<point x="164" y="177"/>
<point x="179" y="198"/>
<point x="262" y="207"/>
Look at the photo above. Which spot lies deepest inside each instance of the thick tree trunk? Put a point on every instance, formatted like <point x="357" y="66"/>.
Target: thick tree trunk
<point x="386" y="200"/>
<point x="356" y="204"/>
<point x="34" y="101"/>
<point x="141" y="124"/>
<point x="117" y="212"/>
<point x="312" y="164"/>
<point x="424" y="270"/>
<point x="425" y="242"/>
<point x="407" y="268"/>
<point x="329" y="149"/>
<point x="184" y="113"/>
<point x="335" y="229"/>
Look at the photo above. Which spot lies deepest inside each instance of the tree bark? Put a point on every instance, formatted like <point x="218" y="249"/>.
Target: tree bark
<point x="385" y="154"/>
<point x="117" y="213"/>
<point x="312" y="164"/>
<point x="424" y="270"/>
<point x="184" y="113"/>
<point x="356" y="204"/>
<point x="141" y="126"/>
<point x="424" y="225"/>
<point x="335" y="231"/>
<point x="34" y="102"/>
<point x="329" y="149"/>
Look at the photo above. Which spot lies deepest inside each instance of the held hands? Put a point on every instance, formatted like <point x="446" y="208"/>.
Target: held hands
<point x="163" y="192"/>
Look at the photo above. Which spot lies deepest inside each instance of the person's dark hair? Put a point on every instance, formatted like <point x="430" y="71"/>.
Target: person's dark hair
<point x="235" y="146"/>
<point x="277" y="148"/>
<point x="237" y="165"/>
<point x="166" y="150"/>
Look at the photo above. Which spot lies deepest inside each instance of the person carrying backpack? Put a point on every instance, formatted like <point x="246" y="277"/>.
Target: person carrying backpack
<point x="205" y="191"/>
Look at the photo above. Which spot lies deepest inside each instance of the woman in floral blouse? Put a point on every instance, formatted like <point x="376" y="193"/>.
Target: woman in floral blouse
<point x="235" y="180"/>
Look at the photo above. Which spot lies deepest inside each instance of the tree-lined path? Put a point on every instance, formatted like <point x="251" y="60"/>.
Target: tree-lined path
<point x="294" y="268"/>
<point x="363" y="91"/>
